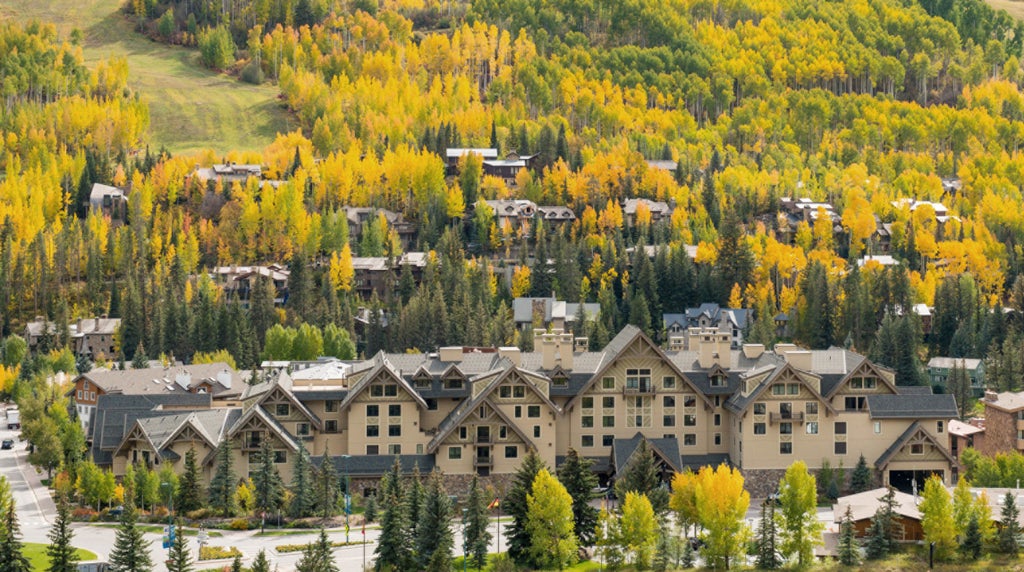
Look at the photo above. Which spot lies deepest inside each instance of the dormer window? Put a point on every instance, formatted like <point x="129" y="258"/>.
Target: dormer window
<point x="560" y="381"/>
<point x="453" y="384"/>
<point x="862" y="383"/>
<point x="717" y="380"/>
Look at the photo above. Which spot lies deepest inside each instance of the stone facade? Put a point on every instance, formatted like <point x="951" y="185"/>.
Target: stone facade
<point x="1000" y="432"/>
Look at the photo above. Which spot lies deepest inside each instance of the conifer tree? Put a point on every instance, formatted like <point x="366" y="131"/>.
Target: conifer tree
<point x="415" y="495"/>
<point x="434" y="539"/>
<point x="1007" y="541"/>
<point x="580" y="481"/>
<point x="370" y="510"/>
<point x="236" y="564"/>
<point x="393" y="551"/>
<point x="478" y="535"/>
<point x="260" y="563"/>
<point x="190" y="489"/>
<point x="12" y="557"/>
<point x="642" y="475"/>
<point x="849" y="554"/>
<point x="515" y="505"/>
<point x="861" y="479"/>
<point x="63" y="556"/>
<point x="877" y="546"/>
<point x="972" y="542"/>
<point x="222" y="485"/>
<point x="179" y="557"/>
<point x="131" y="551"/>
<point x="327" y="487"/>
<point x="269" y="490"/>
<point x="318" y="557"/>
<point x="767" y="534"/>
<point x="302" y="497"/>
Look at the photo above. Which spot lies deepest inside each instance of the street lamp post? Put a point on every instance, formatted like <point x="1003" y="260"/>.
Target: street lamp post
<point x="170" y="511"/>
<point x="347" y="497"/>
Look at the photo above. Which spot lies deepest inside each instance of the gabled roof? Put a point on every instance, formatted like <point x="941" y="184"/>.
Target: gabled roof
<point x="380" y="364"/>
<point x="854" y="365"/>
<point x="739" y="403"/>
<point x="283" y="381"/>
<point x="376" y="465"/>
<point x="614" y="350"/>
<point x="667" y="448"/>
<point x="864" y="505"/>
<point x="259" y="413"/>
<point x="912" y="406"/>
<point x="116" y="414"/>
<point x="915" y="431"/>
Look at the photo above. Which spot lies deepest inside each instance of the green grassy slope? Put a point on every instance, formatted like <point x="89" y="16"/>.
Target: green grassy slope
<point x="36" y="554"/>
<point x="190" y="108"/>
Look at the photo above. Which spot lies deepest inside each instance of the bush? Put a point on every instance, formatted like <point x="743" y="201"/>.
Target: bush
<point x="216" y="47"/>
<point x="218" y="552"/>
<point x="252" y="73"/>
<point x="239" y="524"/>
<point x="201" y="513"/>
<point x="84" y="514"/>
<point x="282" y="548"/>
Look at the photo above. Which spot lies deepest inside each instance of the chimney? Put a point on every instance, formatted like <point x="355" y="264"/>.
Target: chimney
<point x="450" y="353"/>
<point x="706" y="349"/>
<point x="723" y="349"/>
<point x="224" y="378"/>
<point x="991" y="396"/>
<point x="512" y="353"/>
<point x="545" y="342"/>
<point x="800" y="359"/>
<point x="581" y="345"/>
<point x="564" y="348"/>
<point x="183" y="379"/>
<point x="753" y="351"/>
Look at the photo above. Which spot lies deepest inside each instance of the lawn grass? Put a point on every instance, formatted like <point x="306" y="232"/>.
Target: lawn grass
<point x="190" y="107"/>
<point x="36" y="554"/>
<point x="585" y="566"/>
<point x="158" y="529"/>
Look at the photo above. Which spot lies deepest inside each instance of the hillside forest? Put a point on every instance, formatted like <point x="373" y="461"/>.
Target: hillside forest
<point x="859" y="104"/>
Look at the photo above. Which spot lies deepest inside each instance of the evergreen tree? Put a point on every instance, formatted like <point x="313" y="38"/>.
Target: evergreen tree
<point x="370" y="511"/>
<point x="393" y="548"/>
<point x="434" y="539"/>
<point x="515" y="504"/>
<point x="260" y="563"/>
<point x="415" y="495"/>
<point x="689" y="558"/>
<point x="302" y="497"/>
<point x="179" y="557"/>
<point x="735" y="260"/>
<point x="190" y="490"/>
<point x="262" y="314"/>
<point x="236" y="564"/>
<point x="877" y="546"/>
<point x="959" y="386"/>
<point x="317" y="556"/>
<point x="580" y="481"/>
<point x="12" y="557"/>
<point x="643" y="475"/>
<point x="63" y="556"/>
<point x="1007" y="540"/>
<point x="972" y="542"/>
<point x="139" y="360"/>
<point x="131" y="551"/>
<point x="222" y="485"/>
<point x="849" y="554"/>
<point x="269" y="490"/>
<point x="477" y="531"/>
<point x="767" y="533"/>
<point x="861" y="479"/>
<point x="327" y="487"/>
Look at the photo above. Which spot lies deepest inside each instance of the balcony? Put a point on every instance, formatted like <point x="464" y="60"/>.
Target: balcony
<point x="252" y="445"/>
<point x="487" y="461"/>
<point x="484" y="439"/>
<point x="646" y="388"/>
<point x="776" y="417"/>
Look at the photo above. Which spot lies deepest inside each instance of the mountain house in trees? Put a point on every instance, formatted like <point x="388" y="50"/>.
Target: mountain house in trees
<point x="549" y="313"/>
<point x="471" y="410"/>
<point x="111" y="201"/>
<point x="239" y="281"/>
<point x="940" y="367"/>
<point x="507" y="169"/>
<point x="707" y="315"/>
<point x="90" y="337"/>
<point x="228" y="173"/>
<point x="660" y="210"/>
<point x="453" y="155"/>
<point x="793" y="212"/>
<point x="359" y="217"/>
<point x="374" y="274"/>
<point x="1004" y="421"/>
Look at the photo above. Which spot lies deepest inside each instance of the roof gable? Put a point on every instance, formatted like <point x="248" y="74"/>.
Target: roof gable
<point x="865" y="367"/>
<point x="739" y="402"/>
<point x="381" y="367"/>
<point x="913" y="435"/>
<point x="280" y="393"/>
<point x="257" y="417"/>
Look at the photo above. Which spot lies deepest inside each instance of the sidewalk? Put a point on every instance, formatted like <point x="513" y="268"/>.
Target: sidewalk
<point x="45" y="507"/>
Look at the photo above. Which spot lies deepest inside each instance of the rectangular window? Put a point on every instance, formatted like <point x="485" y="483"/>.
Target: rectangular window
<point x="536" y="431"/>
<point x="505" y="392"/>
<point x="917" y="448"/>
<point x="391" y="390"/>
<point x="608" y="402"/>
<point x="855" y="403"/>
<point x="690" y="439"/>
<point x="689" y="420"/>
<point x="759" y="408"/>
<point x="587" y="421"/>
<point x="302" y="429"/>
<point x="759" y="428"/>
<point x="786" y="410"/>
<point x="718" y="380"/>
<point x="331" y="426"/>
<point x="785" y="448"/>
<point x="668" y="382"/>
<point x="689" y="401"/>
<point x="373" y="410"/>
<point x="792" y="389"/>
<point x="503" y="432"/>
<point x="638" y="379"/>
<point x="878" y="427"/>
<point x="533" y="411"/>
<point x="718" y="438"/>
<point x="455" y="453"/>
<point x="463" y="433"/>
<point x="587" y="440"/>
<point x="431" y="404"/>
<point x="518" y="392"/>
<point x="668" y="401"/>
<point x="373" y="430"/>
<point x="85" y="385"/>
<point x="282" y="409"/>
<point x="840" y="428"/>
<point x="453" y="384"/>
<point x="376" y="391"/>
<point x="812" y="428"/>
<point x="280" y="457"/>
<point x="373" y="449"/>
<point x="608" y="421"/>
<point x="511" y="452"/>
<point x="518" y="411"/>
<point x="785" y="428"/>
<point x="718" y="419"/>
<point x="394" y="449"/>
<point x="811" y="407"/>
<point x="608" y="383"/>
<point x="79" y="394"/>
<point x="938" y="426"/>
<point x="607" y="440"/>
<point x="840" y="448"/>
<point x="779" y="389"/>
<point x="394" y="430"/>
<point x="587" y="402"/>
<point x="330" y="406"/>
<point x="668" y="421"/>
<point x="395" y="410"/>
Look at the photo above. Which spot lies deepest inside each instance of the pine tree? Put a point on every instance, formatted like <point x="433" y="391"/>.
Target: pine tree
<point x="236" y="564"/>
<point x="260" y="563"/>
<point x="63" y="556"/>
<point x="580" y="481"/>
<point x="317" y="556"/>
<point x="972" y="542"/>
<point x="515" y="504"/>
<point x="269" y="490"/>
<point x="861" y="479"/>
<point x="478" y="535"/>
<point x="222" y="485"/>
<point x="878" y="543"/>
<point x="190" y="489"/>
<point x="689" y="558"/>
<point x="434" y="539"/>
<point x="415" y="496"/>
<point x="179" y="557"/>
<point x="849" y="554"/>
<point x="393" y="547"/>
<point x="12" y="557"/>
<point x="131" y="551"/>
<point x="302" y="498"/>
<point x="1007" y="540"/>
<point x="643" y="475"/>
<point x="327" y="487"/>
<point x="767" y="533"/>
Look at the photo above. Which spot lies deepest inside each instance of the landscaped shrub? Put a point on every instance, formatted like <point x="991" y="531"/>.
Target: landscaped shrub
<point x="239" y="524"/>
<point x="202" y="513"/>
<point x="282" y="548"/>
<point x="218" y="552"/>
<point x="84" y="514"/>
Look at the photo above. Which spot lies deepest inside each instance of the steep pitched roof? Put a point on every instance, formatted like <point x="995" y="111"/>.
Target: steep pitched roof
<point x="268" y="420"/>
<point x="667" y="448"/>
<point x="380" y="364"/>
<point x="915" y="431"/>
<point x="284" y="382"/>
<point x="912" y="406"/>
<point x="116" y="413"/>
<point x="739" y="403"/>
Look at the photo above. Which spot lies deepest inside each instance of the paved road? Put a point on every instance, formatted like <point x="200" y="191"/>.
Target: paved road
<point x="36" y="512"/>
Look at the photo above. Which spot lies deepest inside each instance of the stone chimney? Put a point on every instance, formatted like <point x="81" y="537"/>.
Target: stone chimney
<point x="555" y="348"/>
<point x="723" y="349"/>
<point x="705" y="349"/>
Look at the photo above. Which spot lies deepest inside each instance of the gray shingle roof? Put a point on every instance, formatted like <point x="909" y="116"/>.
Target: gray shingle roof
<point x="160" y="380"/>
<point x="376" y="465"/>
<point x="912" y="406"/>
<point x="115" y="414"/>
<point x="900" y="441"/>
<point x="624" y="449"/>
<point x="695" y="462"/>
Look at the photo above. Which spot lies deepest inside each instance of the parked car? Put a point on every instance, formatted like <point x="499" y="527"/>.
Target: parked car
<point x="7" y="444"/>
